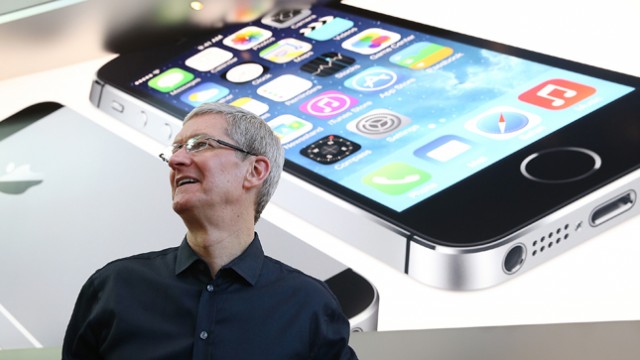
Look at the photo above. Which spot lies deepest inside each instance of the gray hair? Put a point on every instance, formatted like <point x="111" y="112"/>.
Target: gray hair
<point x="251" y="133"/>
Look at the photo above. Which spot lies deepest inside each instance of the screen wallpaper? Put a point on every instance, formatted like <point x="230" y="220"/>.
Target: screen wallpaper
<point x="391" y="113"/>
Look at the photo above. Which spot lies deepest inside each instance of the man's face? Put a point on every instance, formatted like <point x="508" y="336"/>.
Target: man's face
<point x="210" y="180"/>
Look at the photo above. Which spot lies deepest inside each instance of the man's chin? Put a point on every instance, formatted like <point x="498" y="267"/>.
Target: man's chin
<point x="180" y="207"/>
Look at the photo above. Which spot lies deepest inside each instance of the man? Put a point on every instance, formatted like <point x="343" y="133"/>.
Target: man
<point x="216" y="296"/>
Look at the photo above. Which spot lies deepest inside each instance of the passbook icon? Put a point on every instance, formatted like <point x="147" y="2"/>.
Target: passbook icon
<point x="557" y="94"/>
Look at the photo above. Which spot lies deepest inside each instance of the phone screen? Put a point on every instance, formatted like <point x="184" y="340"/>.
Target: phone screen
<point x="393" y="114"/>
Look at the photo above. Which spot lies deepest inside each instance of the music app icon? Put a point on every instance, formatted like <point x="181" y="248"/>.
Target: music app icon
<point x="557" y="94"/>
<point x="328" y="104"/>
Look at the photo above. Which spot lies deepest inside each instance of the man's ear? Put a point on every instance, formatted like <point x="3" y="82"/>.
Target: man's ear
<point x="257" y="173"/>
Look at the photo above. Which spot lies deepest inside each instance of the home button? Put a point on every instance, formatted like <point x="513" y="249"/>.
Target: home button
<point x="560" y="165"/>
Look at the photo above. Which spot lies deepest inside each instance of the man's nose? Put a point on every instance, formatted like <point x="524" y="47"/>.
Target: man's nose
<point x="180" y="158"/>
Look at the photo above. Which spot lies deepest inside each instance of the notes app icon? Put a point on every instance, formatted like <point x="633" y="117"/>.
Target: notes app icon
<point x="557" y="94"/>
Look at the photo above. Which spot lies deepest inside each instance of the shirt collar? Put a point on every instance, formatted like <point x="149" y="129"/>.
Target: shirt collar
<point x="248" y="264"/>
<point x="186" y="256"/>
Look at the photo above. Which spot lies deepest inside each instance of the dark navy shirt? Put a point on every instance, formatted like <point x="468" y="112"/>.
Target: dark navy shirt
<point x="166" y="305"/>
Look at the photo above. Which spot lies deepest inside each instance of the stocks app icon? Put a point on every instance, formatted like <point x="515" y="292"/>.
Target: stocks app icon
<point x="327" y="64"/>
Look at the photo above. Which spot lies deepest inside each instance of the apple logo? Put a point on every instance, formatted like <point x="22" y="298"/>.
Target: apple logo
<point x="18" y="179"/>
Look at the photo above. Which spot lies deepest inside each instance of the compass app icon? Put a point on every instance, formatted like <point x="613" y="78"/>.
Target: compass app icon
<point x="502" y="122"/>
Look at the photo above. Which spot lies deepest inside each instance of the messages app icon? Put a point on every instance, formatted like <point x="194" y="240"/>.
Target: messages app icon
<point x="396" y="178"/>
<point x="170" y="80"/>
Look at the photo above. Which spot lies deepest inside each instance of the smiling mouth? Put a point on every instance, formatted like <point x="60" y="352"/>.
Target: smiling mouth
<point x="186" y="181"/>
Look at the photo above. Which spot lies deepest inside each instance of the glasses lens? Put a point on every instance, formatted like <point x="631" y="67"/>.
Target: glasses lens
<point x="174" y="148"/>
<point x="196" y="144"/>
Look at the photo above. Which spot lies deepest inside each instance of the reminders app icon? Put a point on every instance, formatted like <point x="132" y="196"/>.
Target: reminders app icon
<point x="284" y="87"/>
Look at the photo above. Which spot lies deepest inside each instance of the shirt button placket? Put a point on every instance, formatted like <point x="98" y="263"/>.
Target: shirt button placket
<point x="204" y="334"/>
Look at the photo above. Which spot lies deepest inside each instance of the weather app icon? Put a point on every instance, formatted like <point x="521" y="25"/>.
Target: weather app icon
<point x="205" y="92"/>
<point x="502" y="122"/>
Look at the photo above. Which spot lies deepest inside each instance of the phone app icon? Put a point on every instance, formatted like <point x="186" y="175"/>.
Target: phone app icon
<point x="376" y="78"/>
<point x="421" y="55"/>
<point x="244" y="72"/>
<point x="170" y="80"/>
<point x="205" y="92"/>
<point x="288" y="127"/>
<point x="208" y="59"/>
<point x="378" y="123"/>
<point x="328" y="64"/>
<point x="284" y="87"/>
<point x="330" y="149"/>
<point x="285" y="50"/>
<point x="326" y="28"/>
<point x="371" y="41"/>
<point x="247" y="38"/>
<point x="443" y="149"/>
<point x="328" y="104"/>
<point x="502" y="122"/>
<point x="285" y="17"/>
<point x="252" y="105"/>
<point x="396" y="178"/>
<point x="557" y="94"/>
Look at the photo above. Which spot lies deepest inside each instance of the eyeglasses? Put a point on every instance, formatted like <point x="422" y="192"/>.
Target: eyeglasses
<point x="199" y="143"/>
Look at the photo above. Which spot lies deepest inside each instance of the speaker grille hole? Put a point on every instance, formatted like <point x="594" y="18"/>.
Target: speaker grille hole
<point x="547" y="241"/>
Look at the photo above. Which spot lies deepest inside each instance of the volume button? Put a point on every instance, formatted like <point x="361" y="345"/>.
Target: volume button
<point x="117" y="106"/>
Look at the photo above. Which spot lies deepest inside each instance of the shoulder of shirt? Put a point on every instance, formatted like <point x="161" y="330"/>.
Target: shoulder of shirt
<point x="133" y="260"/>
<point x="297" y="275"/>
